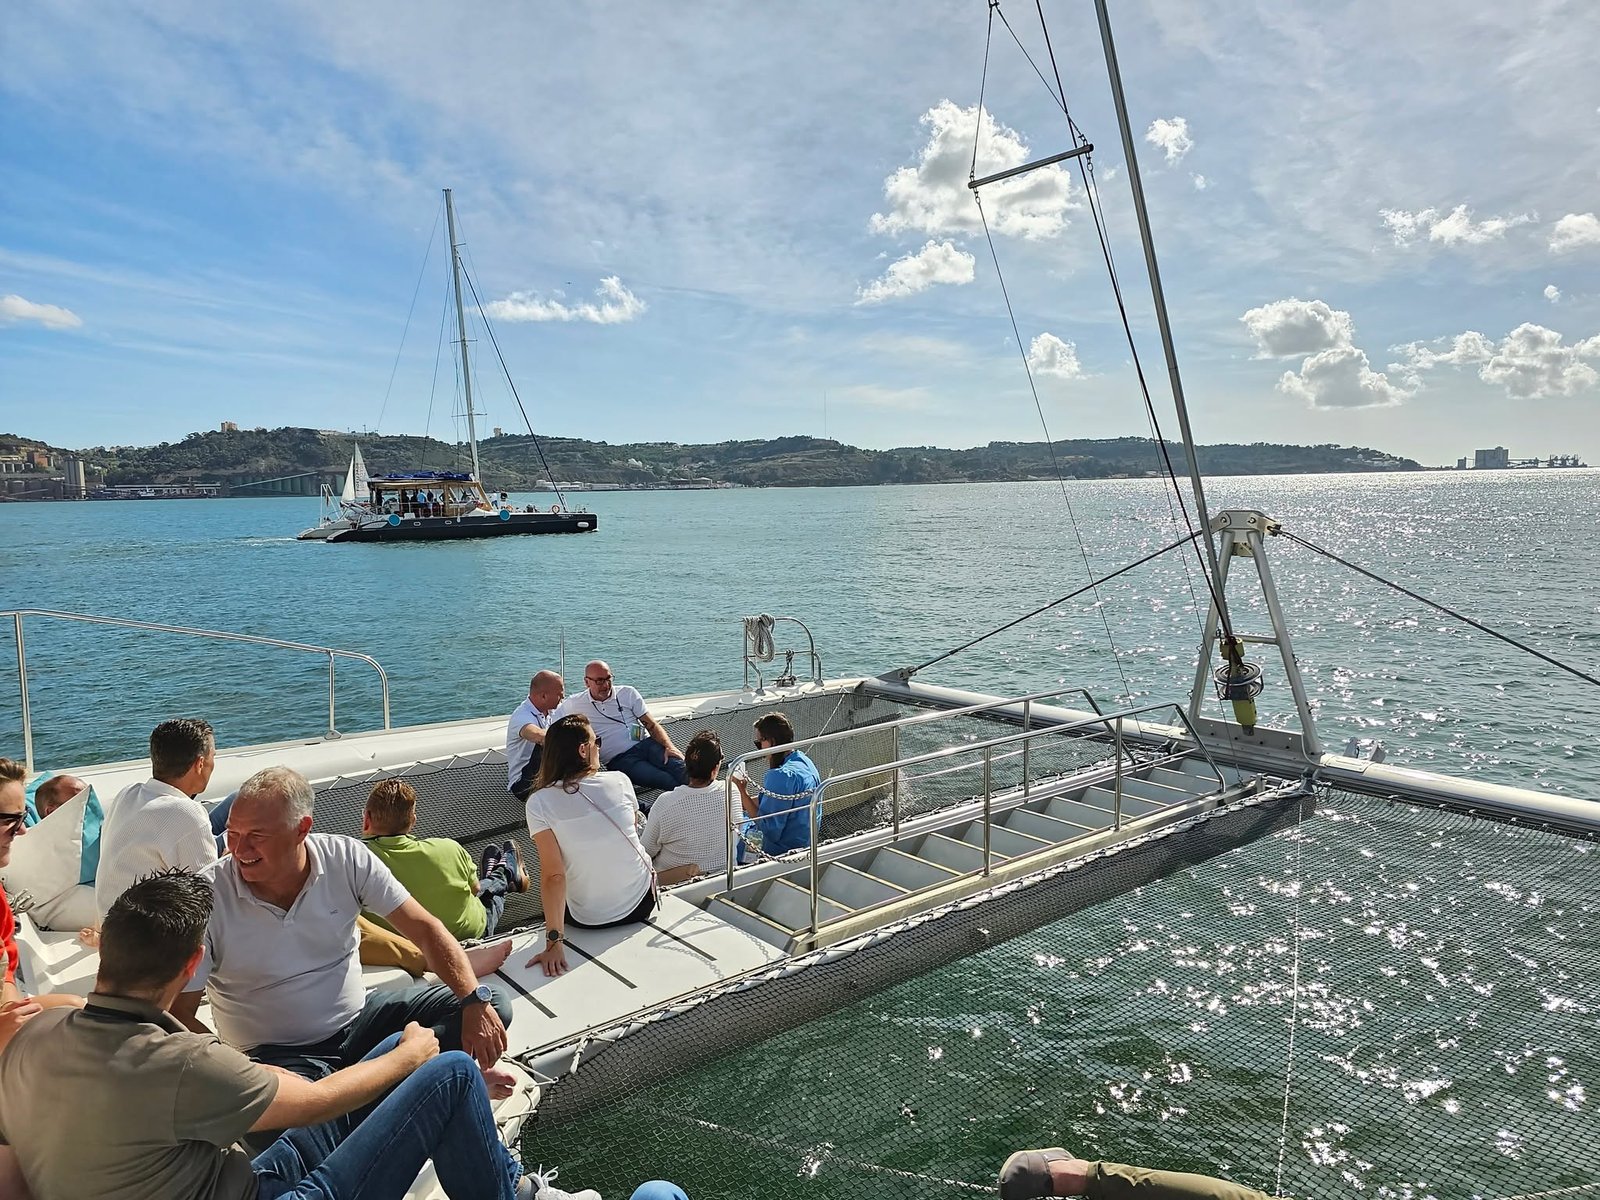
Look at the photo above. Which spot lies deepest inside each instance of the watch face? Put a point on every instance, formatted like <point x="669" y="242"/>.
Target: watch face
<point x="484" y="994"/>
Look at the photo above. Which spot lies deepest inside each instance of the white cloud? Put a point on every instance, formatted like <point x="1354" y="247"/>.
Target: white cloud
<point x="936" y="262"/>
<point x="1575" y="231"/>
<point x="1049" y="355"/>
<point x="1531" y="362"/>
<point x="1200" y="182"/>
<point x="1290" y="328"/>
<point x="1341" y="378"/>
<point x="617" y="304"/>
<point x="933" y="197"/>
<point x="1448" y="229"/>
<point x="1552" y="293"/>
<point x="872" y="395"/>
<point x="1170" y="136"/>
<point x="52" y="316"/>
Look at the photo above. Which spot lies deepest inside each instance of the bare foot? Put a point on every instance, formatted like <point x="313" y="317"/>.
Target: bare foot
<point x="89" y="937"/>
<point x="501" y="1082"/>
<point x="487" y="959"/>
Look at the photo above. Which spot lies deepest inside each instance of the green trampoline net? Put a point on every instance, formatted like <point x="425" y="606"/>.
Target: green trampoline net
<point x="1375" y="1000"/>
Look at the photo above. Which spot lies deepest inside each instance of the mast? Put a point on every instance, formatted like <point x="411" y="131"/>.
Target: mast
<point x="461" y="328"/>
<point x="1161" y="311"/>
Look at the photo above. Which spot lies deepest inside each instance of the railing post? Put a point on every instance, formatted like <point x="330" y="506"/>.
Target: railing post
<point x="1117" y="779"/>
<point x="333" y="725"/>
<point x="733" y="831"/>
<point x="988" y="765"/>
<point x="815" y="838"/>
<point x="22" y="684"/>
<point x="1027" y="727"/>
<point x="894" y="780"/>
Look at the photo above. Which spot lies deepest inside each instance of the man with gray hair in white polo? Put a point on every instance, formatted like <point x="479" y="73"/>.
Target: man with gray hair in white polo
<point x="281" y="957"/>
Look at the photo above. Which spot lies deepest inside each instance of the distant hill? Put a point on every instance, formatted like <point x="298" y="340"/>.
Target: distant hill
<point x="237" y="457"/>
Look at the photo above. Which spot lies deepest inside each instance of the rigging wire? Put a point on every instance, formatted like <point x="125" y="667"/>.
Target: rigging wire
<point x="1094" y="583"/>
<point x="1033" y="388"/>
<point x="1446" y="609"/>
<point x="438" y="353"/>
<point x="415" y="292"/>
<point x="495" y="342"/>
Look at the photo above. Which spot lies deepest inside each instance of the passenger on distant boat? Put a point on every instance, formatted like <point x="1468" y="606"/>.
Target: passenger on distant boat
<point x="784" y="806"/>
<point x="631" y="740"/>
<point x="686" y="833"/>
<point x="438" y="872"/>
<point x="159" y="824"/>
<point x="119" y="1100"/>
<point x="281" y="949"/>
<point x="525" y="731"/>
<point x="593" y="873"/>
<point x="54" y="792"/>
<point x="1035" y="1174"/>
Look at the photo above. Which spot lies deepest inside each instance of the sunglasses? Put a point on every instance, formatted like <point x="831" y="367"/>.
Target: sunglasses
<point x="11" y="822"/>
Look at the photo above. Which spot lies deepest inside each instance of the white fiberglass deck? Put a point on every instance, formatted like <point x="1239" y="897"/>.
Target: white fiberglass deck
<point x="615" y="973"/>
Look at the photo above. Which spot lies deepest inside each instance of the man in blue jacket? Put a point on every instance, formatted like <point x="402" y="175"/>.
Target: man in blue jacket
<point x="785" y="808"/>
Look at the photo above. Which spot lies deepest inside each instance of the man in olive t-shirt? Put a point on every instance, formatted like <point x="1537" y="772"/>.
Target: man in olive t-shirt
<point x="119" y="1100"/>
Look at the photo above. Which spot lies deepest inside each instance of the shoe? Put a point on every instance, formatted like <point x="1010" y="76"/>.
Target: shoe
<point x="541" y="1185"/>
<point x="513" y="864"/>
<point x="492" y="855"/>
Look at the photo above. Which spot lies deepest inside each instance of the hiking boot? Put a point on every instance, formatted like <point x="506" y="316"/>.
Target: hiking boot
<point x="492" y="855"/>
<point x="512" y="861"/>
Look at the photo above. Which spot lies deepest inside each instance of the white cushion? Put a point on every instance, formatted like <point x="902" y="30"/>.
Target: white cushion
<point x="48" y="860"/>
<point x="72" y="910"/>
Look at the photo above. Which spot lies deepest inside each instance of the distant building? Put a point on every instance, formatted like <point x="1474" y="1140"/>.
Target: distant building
<point x="229" y="427"/>
<point x="39" y="459"/>
<point x="1491" y="460"/>
<point x="498" y="432"/>
<point x="1461" y="464"/>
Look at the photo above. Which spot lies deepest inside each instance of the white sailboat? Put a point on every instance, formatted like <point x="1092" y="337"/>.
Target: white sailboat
<point x="348" y="510"/>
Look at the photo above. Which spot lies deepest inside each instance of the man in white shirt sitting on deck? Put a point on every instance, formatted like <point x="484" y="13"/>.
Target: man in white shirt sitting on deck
<point x="281" y="947"/>
<point x="631" y="740"/>
<point x="525" y="731"/>
<point x="158" y="824"/>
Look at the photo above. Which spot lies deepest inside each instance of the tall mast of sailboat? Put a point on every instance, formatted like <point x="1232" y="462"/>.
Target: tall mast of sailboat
<point x="1161" y="309"/>
<point x="461" y="328"/>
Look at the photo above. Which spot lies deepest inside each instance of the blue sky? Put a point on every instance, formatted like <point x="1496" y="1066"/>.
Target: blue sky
<point x="1377" y="223"/>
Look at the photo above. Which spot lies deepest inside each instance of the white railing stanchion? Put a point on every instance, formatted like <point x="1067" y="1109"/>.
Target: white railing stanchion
<point x="894" y="780"/>
<point x="988" y="794"/>
<point x="1116" y="779"/>
<point x="22" y="679"/>
<point x="1027" y="727"/>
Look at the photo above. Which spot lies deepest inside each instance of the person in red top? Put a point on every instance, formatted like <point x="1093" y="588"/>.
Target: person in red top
<point x="15" y="1009"/>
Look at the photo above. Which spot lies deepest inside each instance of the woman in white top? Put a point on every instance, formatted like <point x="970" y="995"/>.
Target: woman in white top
<point x="593" y="872"/>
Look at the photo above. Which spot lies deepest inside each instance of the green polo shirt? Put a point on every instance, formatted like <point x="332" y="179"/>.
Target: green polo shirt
<point x="118" y="1099"/>
<point x="440" y="876"/>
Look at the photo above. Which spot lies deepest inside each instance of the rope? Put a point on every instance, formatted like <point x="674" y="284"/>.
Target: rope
<point x="1061" y="600"/>
<point x="415" y="292"/>
<point x="1448" y="611"/>
<point x="495" y="342"/>
<point x="814" y="1156"/>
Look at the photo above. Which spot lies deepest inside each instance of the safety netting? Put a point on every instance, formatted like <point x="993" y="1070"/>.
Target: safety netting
<point x="1345" y="996"/>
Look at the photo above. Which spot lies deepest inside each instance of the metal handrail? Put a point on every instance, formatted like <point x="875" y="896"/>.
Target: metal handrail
<point x="750" y="660"/>
<point x="333" y="653"/>
<point x="894" y="727"/>
<point x="1113" y="726"/>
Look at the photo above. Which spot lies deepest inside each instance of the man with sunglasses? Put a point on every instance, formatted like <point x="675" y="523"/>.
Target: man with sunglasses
<point x="631" y="740"/>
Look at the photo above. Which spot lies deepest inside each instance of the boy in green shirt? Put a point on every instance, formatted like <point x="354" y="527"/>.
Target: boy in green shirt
<point x="438" y="872"/>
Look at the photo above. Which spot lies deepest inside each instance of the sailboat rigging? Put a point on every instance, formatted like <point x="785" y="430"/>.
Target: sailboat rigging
<point x="413" y="506"/>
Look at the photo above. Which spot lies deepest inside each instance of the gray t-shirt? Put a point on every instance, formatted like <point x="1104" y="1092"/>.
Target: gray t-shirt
<point x="120" y="1100"/>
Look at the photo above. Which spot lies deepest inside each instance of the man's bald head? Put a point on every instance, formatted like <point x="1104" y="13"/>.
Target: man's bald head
<point x="546" y="690"/>
<point x="597" y="678"/>
<point x="56" y="791"/>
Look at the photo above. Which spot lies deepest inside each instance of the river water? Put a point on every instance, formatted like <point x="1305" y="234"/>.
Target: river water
<point x="885" y="577"/>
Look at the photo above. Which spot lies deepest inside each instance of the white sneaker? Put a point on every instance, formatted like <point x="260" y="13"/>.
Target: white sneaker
<point x="540" y="1185"/>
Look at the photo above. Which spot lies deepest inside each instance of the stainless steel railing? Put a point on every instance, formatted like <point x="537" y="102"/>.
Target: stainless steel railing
<point x="333" y="654"/>
<point x="735" y="816"/>
<point x="1112" y="724"/>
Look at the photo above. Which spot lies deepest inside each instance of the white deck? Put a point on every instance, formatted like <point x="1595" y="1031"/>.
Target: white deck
<point x="615" y="973"/>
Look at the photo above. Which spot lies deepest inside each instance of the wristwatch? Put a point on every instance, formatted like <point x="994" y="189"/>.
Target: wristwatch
<point x="552" y="936"/>
<point x="482" y="994"/>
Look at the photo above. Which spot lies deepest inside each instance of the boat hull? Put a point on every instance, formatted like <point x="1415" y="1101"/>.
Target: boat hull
<point x="436" y="529"/>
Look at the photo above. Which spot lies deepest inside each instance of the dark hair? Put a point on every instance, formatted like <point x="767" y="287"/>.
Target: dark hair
<point x="391" y="807"/>
<point x="174" y="746"/>
<point x="152" y="930"/>
<point x="777" y="729"/>
<point x="703" y="755"/>
<point x="564" y="758"/>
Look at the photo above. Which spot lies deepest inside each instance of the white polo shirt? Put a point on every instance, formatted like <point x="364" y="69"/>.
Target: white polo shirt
<point x="292" y="978"/>
<point x="151" y="826"/>
<point x="613" y="718"/>
<point x="518" y="749"/>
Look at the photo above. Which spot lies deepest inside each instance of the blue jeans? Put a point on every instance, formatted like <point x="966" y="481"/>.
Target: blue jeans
<point x="492" y="889"/>
<point x="385" y="1013"/>
<point x="646" y="763"/>
<point x="440" y="1111"/>
<point x="219" y="822"/>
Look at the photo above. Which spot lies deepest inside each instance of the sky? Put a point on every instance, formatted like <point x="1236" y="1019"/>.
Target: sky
<point x="1376" y="224"/>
